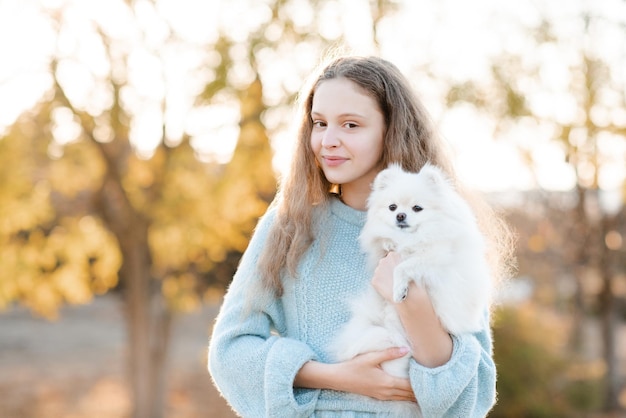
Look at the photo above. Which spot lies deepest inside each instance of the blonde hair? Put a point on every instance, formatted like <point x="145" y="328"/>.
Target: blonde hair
<point x="409" y="140"/>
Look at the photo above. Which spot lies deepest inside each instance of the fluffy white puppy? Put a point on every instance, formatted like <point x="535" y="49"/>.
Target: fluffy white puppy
<point x="423" y="218"/>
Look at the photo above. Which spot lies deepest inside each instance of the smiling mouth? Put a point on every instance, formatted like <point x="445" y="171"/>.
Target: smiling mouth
<point x="334" y="161"/>
<point x="402" y="225"/>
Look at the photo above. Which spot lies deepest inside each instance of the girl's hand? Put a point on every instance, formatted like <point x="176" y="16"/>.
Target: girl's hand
<point x="362" y="375"/>
<point x="382" y="280"/>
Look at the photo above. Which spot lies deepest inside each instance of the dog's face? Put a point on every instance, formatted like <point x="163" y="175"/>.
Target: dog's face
<point x="403" y="200"/>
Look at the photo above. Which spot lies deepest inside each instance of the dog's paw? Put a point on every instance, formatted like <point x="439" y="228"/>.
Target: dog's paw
<point x="388" y="246"/>
<point x="401" y="281"/>
<point x="400" y="292"/>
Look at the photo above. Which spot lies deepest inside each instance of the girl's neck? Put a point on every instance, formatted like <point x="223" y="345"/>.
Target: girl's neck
<point x="355" y="197"/>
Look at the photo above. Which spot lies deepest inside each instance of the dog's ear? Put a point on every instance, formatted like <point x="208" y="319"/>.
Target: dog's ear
<point x="384" y="177"/>
<point x="434" y="175"/>
<point x="381" y="180"/>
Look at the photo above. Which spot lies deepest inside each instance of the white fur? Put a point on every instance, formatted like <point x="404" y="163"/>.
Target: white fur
<point x="442" y="249"/>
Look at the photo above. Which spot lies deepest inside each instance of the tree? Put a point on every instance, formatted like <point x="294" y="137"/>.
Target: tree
<point x="584" y="127"/>
<point x="102" y="204"/>
<point x="52" y="251"/>
<point x="121" y="191"/>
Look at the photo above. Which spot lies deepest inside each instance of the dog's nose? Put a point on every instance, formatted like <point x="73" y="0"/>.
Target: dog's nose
<point x="400" y="217"/>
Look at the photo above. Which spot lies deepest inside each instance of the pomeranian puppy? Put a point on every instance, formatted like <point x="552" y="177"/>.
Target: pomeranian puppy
<point x="423" y="218"/>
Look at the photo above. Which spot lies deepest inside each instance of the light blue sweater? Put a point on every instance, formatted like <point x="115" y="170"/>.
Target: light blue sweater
<point x="254" y="354"/>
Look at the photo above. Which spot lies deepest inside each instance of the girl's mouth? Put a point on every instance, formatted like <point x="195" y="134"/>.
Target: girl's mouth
<point x="334" y="161"/>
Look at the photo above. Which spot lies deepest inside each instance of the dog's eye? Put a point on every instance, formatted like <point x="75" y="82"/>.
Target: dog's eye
<point x="417" y="208"/>
<point x="393" y="207"/>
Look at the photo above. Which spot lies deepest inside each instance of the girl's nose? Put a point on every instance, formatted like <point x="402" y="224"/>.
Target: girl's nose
<point x="330" y="138"/>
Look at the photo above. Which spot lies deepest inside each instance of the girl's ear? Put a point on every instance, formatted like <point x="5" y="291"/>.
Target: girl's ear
<point x="383" y="178"/>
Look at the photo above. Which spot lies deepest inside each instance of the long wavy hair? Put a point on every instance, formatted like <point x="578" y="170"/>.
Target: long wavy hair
<point x="409" y="139"/>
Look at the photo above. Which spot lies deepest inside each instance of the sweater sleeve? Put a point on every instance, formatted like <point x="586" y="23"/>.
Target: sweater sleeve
<point x="463" y="387"/>
<point x="253" y="367"/>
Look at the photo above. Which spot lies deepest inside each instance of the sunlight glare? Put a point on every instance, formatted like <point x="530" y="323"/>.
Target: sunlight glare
<point x="300" y="12"/>
<point x="145" y="75"/>
<point x="154" y="28"/>
<point x="23" y="75"/>
<point x="146" y="130"/>
<point x="470" y="136"/>
<point x="238" y="18"/>
<point x="434" y="42"/>
<point x="65" y="128"/>
<point x="612" y="172"/>
<point x="357" y="23"/>
<point x="214" y="131"/>
<point x="330" y="26"/>
<point x="196" y="21"/>
<point x="553" y="173"/>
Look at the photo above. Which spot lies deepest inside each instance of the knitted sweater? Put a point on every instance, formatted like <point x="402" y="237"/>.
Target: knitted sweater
<point x="257" y="348"/>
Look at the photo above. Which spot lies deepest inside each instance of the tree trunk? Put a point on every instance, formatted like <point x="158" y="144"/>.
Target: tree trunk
<point x="137" y="299"/>
<point x="608" y="320"/>
<point x="147" y="319"/>
<point x="608" y="325"/>
<point x="580" y="261"/>
<point x="159" y="353"/>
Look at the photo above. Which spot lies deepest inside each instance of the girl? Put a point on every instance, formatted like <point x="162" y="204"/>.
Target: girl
<point x="268" y="354"/>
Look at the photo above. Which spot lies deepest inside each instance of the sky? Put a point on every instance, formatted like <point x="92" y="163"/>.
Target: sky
<point x="455" y="39"/>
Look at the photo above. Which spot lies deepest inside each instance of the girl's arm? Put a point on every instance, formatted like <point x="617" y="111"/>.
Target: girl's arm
<point x="253" y="368"/>
<point x="431" y="343"/>
<point x="451" y="376"/>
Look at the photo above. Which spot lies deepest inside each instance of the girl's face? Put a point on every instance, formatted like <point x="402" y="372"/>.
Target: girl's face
<point x="347" y="137"/>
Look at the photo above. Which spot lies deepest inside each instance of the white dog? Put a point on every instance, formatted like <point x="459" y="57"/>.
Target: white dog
<point x="423" y="218"/>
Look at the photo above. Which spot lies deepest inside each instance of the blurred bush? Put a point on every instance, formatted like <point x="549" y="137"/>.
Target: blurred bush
<point x="535" y="371"/>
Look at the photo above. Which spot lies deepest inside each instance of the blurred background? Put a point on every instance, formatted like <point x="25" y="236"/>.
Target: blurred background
<point x="140" y="141"/>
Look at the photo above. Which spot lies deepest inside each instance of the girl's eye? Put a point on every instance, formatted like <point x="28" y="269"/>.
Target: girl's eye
<point x="318" y="124"/>
<point x="417" y="208"/>
<point x="351" y="125"/>
<point x="393" y="207"/>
